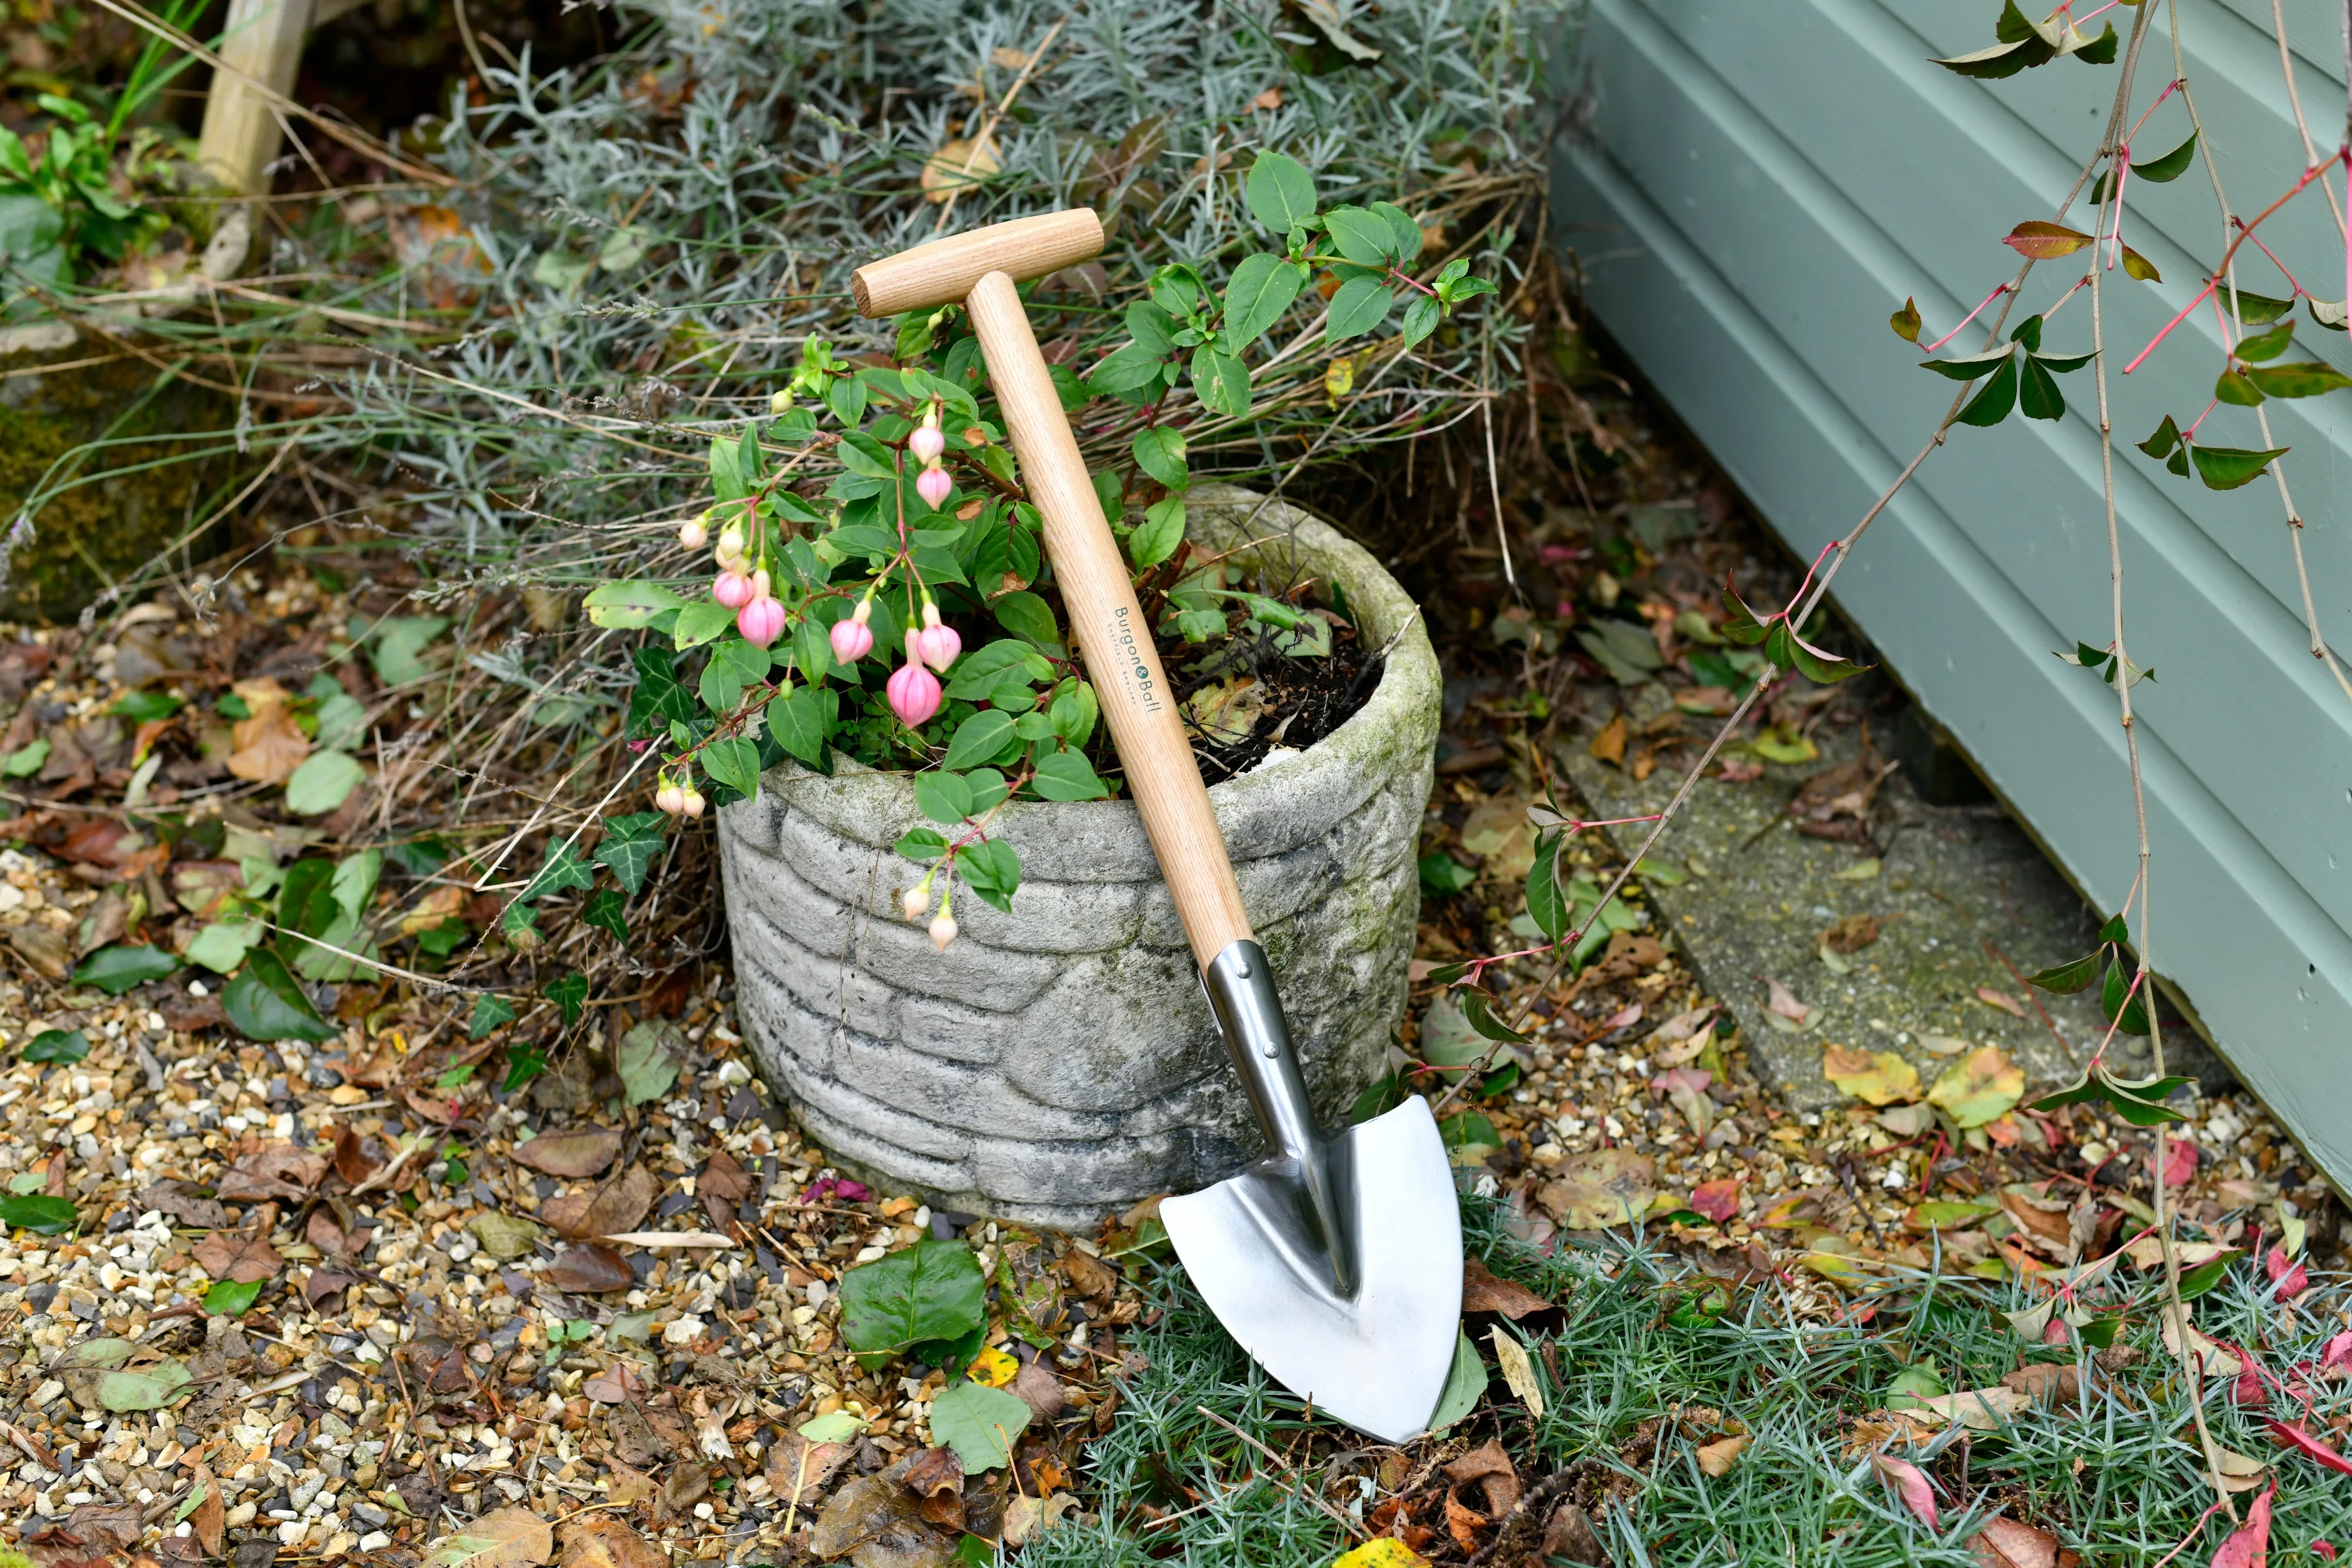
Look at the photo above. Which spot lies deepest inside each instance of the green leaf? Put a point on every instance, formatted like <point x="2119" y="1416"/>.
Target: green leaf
<point x="1405" y="230"/>
<point x="1363" y="237"/>
<point x="734" y="666"/>
<point x="2263" y="346"/>
<point x="1973" y="367"/>
<point x="1441" y="875"/>
<point x="1221" y="382"/>
<point x="734" y="762"/>
<point x="727" y="466"/>
<point x="2231" y="387"/>
<point x="943" y="797"/>
<point x="26" y="759"/>
<point x="1067" y="775"/>
<point x="1466" y="1385"/>
<point x="2197" y="1281"/>
<point x="40" y="1214"/>
<point x="142" y="707"/>
<point x="1280" y="192"/>
<point x="2227" y="467"/>
<point x="1906" y="322"/>
<point x="147" y="1388"/>
<point x="1991" y="404"/>
<point x="812" y="652"/>
<point x="699" y="621"/>
<point x="64" y="1046"/>
<point x="993" y="870"/>
<point x="1027" y="617"/>
<point x="1790" y="651"/>
<point x="979" y="1423"/>
<point x="564" y="868"/>
<point x="2130" y="1016"/>
<point x="400" y="641"/>
<point x="2037" y="395"/>
<point x="569" y="994"/>
<point x="230" y="1299"/>
<point x="658" y="700"/>
<point x="978" y="739"/>
<point x="2304" y="378"/>
<point x="1156" y="538"/>
<point x="1160" y="452"/>
<point x="222" y="945"/>
<point x="1127" y="369"/>
<point x="630" y="846"/>
<point x="490" y="1011"/>
<point x="116" y="968"/>
<point x="2257" y="310"/>
<point x="2166" y="437"/>
<point x="647" y="1062"/>
<point x="264" y="1003"/>
<point x="627" y="606"/>
<point x="1479" y="1010"/>
<point x="1361" y="304"/>
<point x="1262" y="289"/>
<point x="1548" y="903"/>
<point x="802" y="721"/>
<point x="525" y="1062"/>
<point x="2067" y="978"/>
<point x="1739" y="622"/>
<point x="920" y="844"/>
<point x="606" y="909"/>
<point x="323" y="782"/>
<point x="1421" y="319"/>
<point x="932" y="1291"/>
<point x="2029" y="332"/>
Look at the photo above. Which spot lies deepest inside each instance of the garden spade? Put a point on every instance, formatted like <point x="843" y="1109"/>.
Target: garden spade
<point x="1336" y="1259"/>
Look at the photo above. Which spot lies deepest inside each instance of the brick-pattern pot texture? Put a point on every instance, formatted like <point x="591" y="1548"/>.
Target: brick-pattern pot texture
<point x="1059" y="1062"/>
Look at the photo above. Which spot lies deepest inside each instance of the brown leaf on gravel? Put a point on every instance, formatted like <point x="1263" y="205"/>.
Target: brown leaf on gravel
<point x="799" y="1470"/>
<point x="1854" y="933"/>
<point x="277" y="1171"/>
<point x="173" y="1201"/>
<point x="932" y="1472"/>
<point x="42" y="948"/>
<point x="210" y="1518"/>
<point x="580" y="1152"/>
<point x="2003" y="1543"/>
<point x="322" y="1231"/>
<point x="267" y="744"/>
<point x="724" y="1179"/>
<point x="1492" y="1469"/>
<point x="352" y="1160"/>
<point x="619" y="1205"/>
<point x="630" y="1487"/>
<point x="1609" y="746"/>
<point x="244" y="1259"/>
<point x="1569" y="1534"/>
<point x="601" y="1541"/>
<point x="324" y="1285"/>
<point x="1482" y="1292"/>
<point x="109" y="920"/>
<point x="589" y="1269"/>
<point x="1601" y="1188"/>
<point x="1036" y="1386"/>
<point x="510" y="1538"/>
<point x="1090" y="1276"/>
<point x="611" y="1386"/>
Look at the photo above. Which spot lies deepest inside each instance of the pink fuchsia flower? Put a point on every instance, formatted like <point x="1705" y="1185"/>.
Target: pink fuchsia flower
<point x="934" y="486"/>
<point x="926" y="443"/>
<point x="829" y="1188"/>
<point x="943" y="930"/>
<point x="761" y="621"/>
<point x="852" y="637"/>
<point x="732" y="589"/>
<point x="913" y="691"/>
<point x="671" y="799"/>
<point x="695" y="531"/>
<point x="937" y="645"/>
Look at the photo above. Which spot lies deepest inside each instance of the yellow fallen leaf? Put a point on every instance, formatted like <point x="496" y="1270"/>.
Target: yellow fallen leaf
<point x="1605" y="1187"/>
<point x="1979" y="1087"/>
<point x="510" y="1538"/>
<point x="958" y="165"/>
<point x="992" y="1367"/>
<point x="1978" y="1409"/>
<point x="1381" y="1552"/>
<point x="1883" y="1079"/>
<point x="1519" y="1372"/>
<point x="1716" y="1457"/>
<point x="1027" y="1518"/>
<point x="270" y="746"/>
<point x="2147" y="1251"/>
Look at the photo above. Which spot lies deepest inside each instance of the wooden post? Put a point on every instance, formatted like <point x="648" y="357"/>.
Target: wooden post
<point x="262" y="44"/>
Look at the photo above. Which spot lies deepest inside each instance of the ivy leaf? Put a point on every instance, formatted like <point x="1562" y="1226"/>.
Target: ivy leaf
<point x="1906" y="322"/>
<point x="63" y="1046"/>
<point x="2227" y="467"/>
<point x="1280" y="192"/>
<point x="1067" y="775"/>
<point x="2304" y="378"/>
<point x="2041" y="241"/>
<point x="1160" y="452"/>
<point x="564" y="869"/>
<point x="490" y="1011"/>
<point x="658" y="700"/>
<point x="569" y="994"/>
<point x="630" y="845"/>
<point x="1262" y="289"/>
<point x="734" y="762"/>
<point x="2067" y="978"/>
<point x="978" y="739"/>
<point x="1361" y="304"/>
<point x="604" y="909"/>
<point x="1991" y="404"/>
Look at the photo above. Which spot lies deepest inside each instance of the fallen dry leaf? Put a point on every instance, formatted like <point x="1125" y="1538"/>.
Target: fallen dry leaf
<point x="210" y="1517"/>
<point x="617" y="1205"/>
<point x="279" y="1170"/>
<point x="1604" y="1187"/>
<point x="1980" y="1086"/>
<point x="2248" y="1545"/>
<point x="2000" y="999"/>
<point x="1978" y="1409"/>
<point x="2003" y="1543"/>
<point x="245" y="1259"/>
<point x="601" y="1540"/>
<point x="352" y="1162"/>
<point x="2240" y="1472"/>
<point x="1718" y="1200"/>
<point x="1883" y="1079"/>
<point x="1027" y="1518"/>
<point x="2047" y="1224"/>
<point x="799" y="1470"/>
<point x="1781" y="1003"/>
<point x="1716" y="1458"/>
<point x="269" y="745"/>
<point x="2046" y="1382"/>
<point x="1609" y="746"/>
<point x="2147" y="1251"/>
<point x="1482" y="1292"/>
<point x="2288" y="1435"/>
<point x="582" y="1151"/>
<point x="958" y="165"/>
<point x="2201" y="1353"/>
<point x="589" y="1269"/>
<point x="1910" y="1483"/>
<point x="722" y="1178"/>
<point x="613" y="1385"/>
<point x="509" y="1538"/>
<point x="1854" y="933"/>
<point x="1491" y="1467"/>
<point x="1519" y="1372"/>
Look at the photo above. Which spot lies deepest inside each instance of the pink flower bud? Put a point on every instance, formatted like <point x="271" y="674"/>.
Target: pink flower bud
<point x="695" y="531"/>
<point x="694" y="802"/>
<point x="934" y="487"/>
<point x="926" y="443"/>
<point x="939" y="646"/>
<point x="917" y="899"/>
<point x="760" y="621"/>
<point x="761" y="584"/>
<point x="851" y="640"/>
<point x="669" y="798"/>
<point x="732" y="589"/>
<point x="943" y="930"/>
<point x="913" y="691"/>
<point x="730" y="540"/>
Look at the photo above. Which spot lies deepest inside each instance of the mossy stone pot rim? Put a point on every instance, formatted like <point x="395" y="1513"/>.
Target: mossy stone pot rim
<point x="1261" y="811"/>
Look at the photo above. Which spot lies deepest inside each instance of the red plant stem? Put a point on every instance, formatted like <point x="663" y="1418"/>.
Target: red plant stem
<point x="2122" y="166"/>
<point x="2169" y="89"/>
<point x="1972" y="315"/>
<point x="2246" y="232"/>
<point x="2299" y="289"/>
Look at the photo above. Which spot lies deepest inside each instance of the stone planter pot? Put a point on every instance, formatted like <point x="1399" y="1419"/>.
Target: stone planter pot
<point x="1060" y="1062"/>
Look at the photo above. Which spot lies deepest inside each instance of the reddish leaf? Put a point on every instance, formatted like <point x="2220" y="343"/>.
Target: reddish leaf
<point x="352" y="1162"/>
<point x="1718" y="1199"/>
<point x="2045" y="241"/>
<point x="1482" y="1292"/>
<point x="1911" y="1482"/>
<point x="2248" y="1545"/>
<point x="2290" y="1436"/>
<point x="2179" y="1162"/>
<point x="582" y="1151"/>
<point x="2323" y="1548"/>
<point x="325" y="1284"/>
<point x="2286" y="1273"/>
<point x="2338" y="1352"/>
<point x="2004" y="1542"/>
<point x="589" y="1269"/>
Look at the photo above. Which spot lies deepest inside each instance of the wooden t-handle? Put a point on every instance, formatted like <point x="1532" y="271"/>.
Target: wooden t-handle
<point x="1108" y="625"/>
